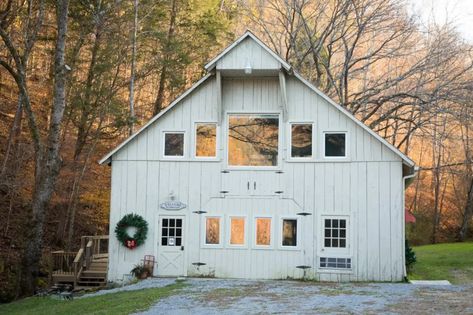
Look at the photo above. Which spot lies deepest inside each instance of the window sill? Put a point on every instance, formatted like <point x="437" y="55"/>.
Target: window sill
<point x="253" y="168"/>
<point x="335" y="271"/>
<point x="289" y="248"/>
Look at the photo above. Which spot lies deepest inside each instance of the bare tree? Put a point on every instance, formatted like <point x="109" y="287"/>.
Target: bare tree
<point x="47" y="151"/>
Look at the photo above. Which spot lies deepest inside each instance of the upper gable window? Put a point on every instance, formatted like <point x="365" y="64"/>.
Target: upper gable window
<point x="206" y="140"/>
<point x="253" y="140"/>
<point x="174" y="144"/>
<point x="335" y="144"/>
<point x="301" y="140"/>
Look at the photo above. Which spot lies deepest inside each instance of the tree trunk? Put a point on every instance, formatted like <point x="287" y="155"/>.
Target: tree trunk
<point x="48" y="158"/>
<point x="468" y="213"/>
<point x="14" y="134"/>
<point x="133" y="65"/>
<point x="158" y="104"/>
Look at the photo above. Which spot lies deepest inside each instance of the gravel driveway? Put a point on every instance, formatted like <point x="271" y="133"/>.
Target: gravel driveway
<point x="215" y="296"/>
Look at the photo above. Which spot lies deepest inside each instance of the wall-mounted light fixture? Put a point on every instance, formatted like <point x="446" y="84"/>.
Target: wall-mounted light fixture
<point x="248" y="68"/>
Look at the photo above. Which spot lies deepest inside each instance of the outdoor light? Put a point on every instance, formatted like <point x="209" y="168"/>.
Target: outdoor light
<point x="248" y="68"/>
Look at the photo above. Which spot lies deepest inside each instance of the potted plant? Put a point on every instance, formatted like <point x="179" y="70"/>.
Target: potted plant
<point x="140" y="271"/>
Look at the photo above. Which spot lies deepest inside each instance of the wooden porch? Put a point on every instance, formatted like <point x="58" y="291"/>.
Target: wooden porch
<point x="85" y="268"/>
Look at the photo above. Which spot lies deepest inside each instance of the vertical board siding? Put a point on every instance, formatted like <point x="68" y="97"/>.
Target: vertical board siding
<point x="367" y="187"/>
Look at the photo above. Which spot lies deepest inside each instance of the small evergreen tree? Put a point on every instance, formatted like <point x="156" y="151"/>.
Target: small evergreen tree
<point x="410" y="256"/>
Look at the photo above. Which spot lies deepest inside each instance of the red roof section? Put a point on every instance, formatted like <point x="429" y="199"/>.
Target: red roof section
<point x="410" y="218"/>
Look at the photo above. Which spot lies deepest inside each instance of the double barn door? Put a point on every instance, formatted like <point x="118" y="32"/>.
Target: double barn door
<point x="252" y="183"/>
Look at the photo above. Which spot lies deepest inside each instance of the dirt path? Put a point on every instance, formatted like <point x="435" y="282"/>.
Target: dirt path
<point x="211" y="296"/>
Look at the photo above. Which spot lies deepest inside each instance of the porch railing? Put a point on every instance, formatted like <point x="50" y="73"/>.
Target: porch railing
<point x="73" y="264"/>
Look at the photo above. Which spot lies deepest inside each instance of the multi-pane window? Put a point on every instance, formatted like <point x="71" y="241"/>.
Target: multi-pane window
<point x="263" y="231"/>
<point x="206" y="140"/>
<point x="253" y="140"/>
<point x="335" y="144"/>
<point x="289" y="232"/>
<point x="338" y="263"/>
<point x="171" y="232"/>
<point x="301" y="140"/>
<point x="335" y="233"/>
<point x="212" y="231"/>
<point x="237" y="231"/>
<point x="174" y="144"/>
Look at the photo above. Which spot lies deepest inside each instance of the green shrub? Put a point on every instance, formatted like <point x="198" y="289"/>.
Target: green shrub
<point x="410" y="256"/>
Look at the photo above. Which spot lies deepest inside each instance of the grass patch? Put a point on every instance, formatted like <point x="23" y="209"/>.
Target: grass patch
<point x="113" y="303"/>
<point x="451" y="261"/>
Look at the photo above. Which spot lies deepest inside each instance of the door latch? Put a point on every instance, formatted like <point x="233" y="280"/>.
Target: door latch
<point x="182" y="247"/>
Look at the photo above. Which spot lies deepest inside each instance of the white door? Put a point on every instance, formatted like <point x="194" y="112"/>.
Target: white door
<point x="171" y="246"/>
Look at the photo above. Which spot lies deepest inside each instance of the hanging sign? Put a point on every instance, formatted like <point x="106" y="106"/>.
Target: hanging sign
<point x="172" y="204"/>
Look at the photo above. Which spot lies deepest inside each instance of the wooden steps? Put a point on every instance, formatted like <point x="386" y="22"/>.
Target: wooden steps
<point x="84" y="269"/>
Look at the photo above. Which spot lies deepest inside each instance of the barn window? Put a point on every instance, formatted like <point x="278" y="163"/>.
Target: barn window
<point x="237" y="231"/>
<point x="206" y="140"/>
<point x="253" y="140"/>
<point x="212" y="231"/>
<point x="335" y="233"/>
<point x="335" y="263"/>
<point x="174" y="144"/>
<point x="171" y="232"/>
<point x="289" y="232"/>
<point x="335" y="144"/>
<point x="301" y="140"/>
<point x="263" y="231"/>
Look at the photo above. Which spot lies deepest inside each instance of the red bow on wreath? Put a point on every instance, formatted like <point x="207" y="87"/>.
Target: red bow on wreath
<point x="130" y="244"/>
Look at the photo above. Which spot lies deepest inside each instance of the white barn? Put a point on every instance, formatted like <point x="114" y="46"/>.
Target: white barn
<point x="255" y="173"/>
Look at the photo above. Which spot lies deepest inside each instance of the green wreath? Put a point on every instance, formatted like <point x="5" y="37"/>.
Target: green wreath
<point x="132" y="220"/>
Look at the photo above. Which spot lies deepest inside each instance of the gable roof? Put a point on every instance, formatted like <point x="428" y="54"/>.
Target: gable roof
<point x="248" y="34"/>
<point x="211" y="65"/>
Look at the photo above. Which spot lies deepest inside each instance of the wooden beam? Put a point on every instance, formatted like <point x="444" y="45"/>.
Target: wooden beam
<point x="282" y="86"/>
<point x="218" y="77"/>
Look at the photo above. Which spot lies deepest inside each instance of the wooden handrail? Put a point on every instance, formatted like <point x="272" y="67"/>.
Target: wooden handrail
<point x="75" y="263"/>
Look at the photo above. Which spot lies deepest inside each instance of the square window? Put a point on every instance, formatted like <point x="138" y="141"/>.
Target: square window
<point x="164" y="241"/>
<point x="289" y="232"/>
<point x="206" y="140"/>
<point x="301" y="140"/>
<point x="237" y="231"/>
<point x="165" y="231"/>
<point x="335" y="233"/>
<point x="335" y="144"/>
<point x="178" y="241"/>
<point x="178" y="222"/>
<point x="171" y="232"/>
<point x="172" y="222"/>
<point x="178" y="232"/>
<point x="212" y="231"/>
<point x="263" y="231"/>
<point x="165" y="222"/>
<point x="253" y="140"/>
<point x="174" y="144"/>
